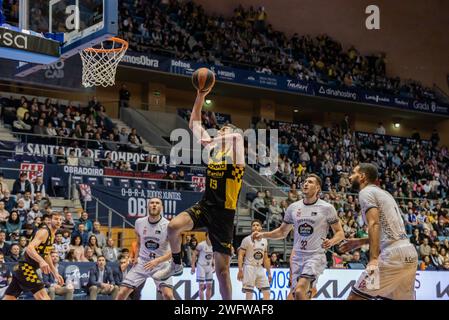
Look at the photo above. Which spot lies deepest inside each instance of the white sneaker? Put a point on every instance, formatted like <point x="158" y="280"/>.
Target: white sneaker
<point x="172" y="270"/>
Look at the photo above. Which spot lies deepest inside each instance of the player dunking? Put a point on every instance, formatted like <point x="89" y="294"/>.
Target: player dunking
<point x="203" y="263"/>
<point x="216" y="210"/>
<point x="252" y="258"/>
<point x="311" y="218"/>
<point x="154" y="253"/>
<point x="391" y="270"/>
<point x="37" y="256"/>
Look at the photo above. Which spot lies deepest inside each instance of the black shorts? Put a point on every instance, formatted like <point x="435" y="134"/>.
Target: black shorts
<point x="219" y="223"/>
<point x="24" y="279"/>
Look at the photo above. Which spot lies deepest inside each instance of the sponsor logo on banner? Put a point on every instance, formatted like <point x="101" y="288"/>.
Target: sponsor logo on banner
<point x="268" y="81"/>
<point x="401" y="102"/>
<point x="377" y="98"/>
<point x="84" y="171"/>
<point x="297" y="86"/>
<point x="200" y="182"/>
<point x="33" y="170"/>
<point x="333" y="284"/>
<point x="141" y="61"/>
<point x="422" y="106"/>
<point x="223" y="74"/>
<point x="338" y="93"/>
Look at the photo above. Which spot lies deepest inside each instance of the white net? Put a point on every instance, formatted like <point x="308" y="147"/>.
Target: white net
<point x="100" y="64"/>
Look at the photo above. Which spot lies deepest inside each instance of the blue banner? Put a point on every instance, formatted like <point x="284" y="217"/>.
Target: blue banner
<point x="132" y="202"/>
<point x="259" y="80"/>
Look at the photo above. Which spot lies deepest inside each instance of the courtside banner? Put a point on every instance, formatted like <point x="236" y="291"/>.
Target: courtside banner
<point x="279" y="83"/>
<point x="132" y="202"/>
<point x="333" y="284"/>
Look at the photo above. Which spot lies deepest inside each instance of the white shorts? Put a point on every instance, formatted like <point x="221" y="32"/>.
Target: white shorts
<point x="397" y="274"/>
<point x="255" y="277"/>
<point x="307" y="265"/>
<point x="138" y="275"/>
<point x="204" y="273"/>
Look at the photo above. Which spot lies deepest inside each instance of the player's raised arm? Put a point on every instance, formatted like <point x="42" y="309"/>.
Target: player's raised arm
<point x="41" y="237"/>
<point x="199" y="132"/>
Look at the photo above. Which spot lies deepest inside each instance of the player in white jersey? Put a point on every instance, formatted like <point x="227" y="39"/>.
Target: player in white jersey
<point x="311" y="219"/>
<point x="154" y="253"/>
<point x="252" y="259"/>
<point x="203" y="262"/>
<point x="391" y="270"/>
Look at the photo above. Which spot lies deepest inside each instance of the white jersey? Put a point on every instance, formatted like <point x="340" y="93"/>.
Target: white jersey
<point x="311" y="223"/>
<point x="391" y="224"/>
<point x="254" y="251"/>
<point x="205" y="254"/>
<point x="153" y="238"/>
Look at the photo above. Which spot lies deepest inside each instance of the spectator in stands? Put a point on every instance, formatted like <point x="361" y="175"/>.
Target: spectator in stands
<point x="424" y="248"/>
<point x="274" y="260"/>
<point x="426" y="264"/>
<point x="28" y="231"/>
<point x="357" y="258"/>
<point x="82" y="233"/>
<point x="125" y="96"/>
<point x="110" y="252"/>
<point x="4" y="247"/>
<point x="93" y="244"/>
<point x="40" y="129"/>
<point x="14" y="254"/>
<point x="78" y="249"/>
<point x="13" y="224"/>
<point x="68" y="222"/>
<point x="276" y="216"/>
<point x="4" y="215"/>
<point x="86" y="160"/>
<point x="435" y="259"/>
<point x="52" y="286"/>
<point x="10" y="202"/>
<point x="38" y="186"/>
<point x="110" y="143"/>
<point x="27" y="200"/>
<point x="3" y="186"/>
<point x="21" y="185"/>
<point x="85" y="220"/>
<point x="101" y="239"/>
<point x="23" y="213"/>
<point x="101" y="280"/>
<point x="125" y="253"/>
<point x="61" y="247"/>
<point x="60" y="157"/>
<point x="23" y="242"/>
<point x="5" y="275"/>
<point x="33" y="214"/>
<point x="444" y="268"/>
<point x="258" y="207"/>
<point x="123" y="137"/>
<point x="89" y="254"/>
<point x="72" y="159"/>
<point x="380" y="129"/>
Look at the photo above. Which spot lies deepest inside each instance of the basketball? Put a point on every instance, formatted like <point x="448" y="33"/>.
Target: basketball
<point x="203" y="79"/>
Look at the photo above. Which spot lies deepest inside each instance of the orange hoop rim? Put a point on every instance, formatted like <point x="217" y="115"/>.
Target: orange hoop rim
<point x="115" y="50"/>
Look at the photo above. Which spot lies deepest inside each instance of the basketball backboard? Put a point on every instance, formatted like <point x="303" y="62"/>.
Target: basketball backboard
<point x="77" y="24"/>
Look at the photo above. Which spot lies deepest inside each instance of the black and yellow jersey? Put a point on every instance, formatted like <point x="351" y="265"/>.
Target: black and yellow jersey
<point x="43" y="250"/>
<point x="223" y="181"/>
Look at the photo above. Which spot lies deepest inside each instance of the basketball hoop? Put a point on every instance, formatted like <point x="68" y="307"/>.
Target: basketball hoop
<point x="100" y="64"/>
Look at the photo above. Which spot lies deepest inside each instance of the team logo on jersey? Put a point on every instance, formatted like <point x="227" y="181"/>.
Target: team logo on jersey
<point x="209" y="256"/>
<point x="145" y="231"/>
<point x="298" y="213"/>
<point x="258" y="255"/>
<point x="305" y="229"/>
<point x="151" y="245"/>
